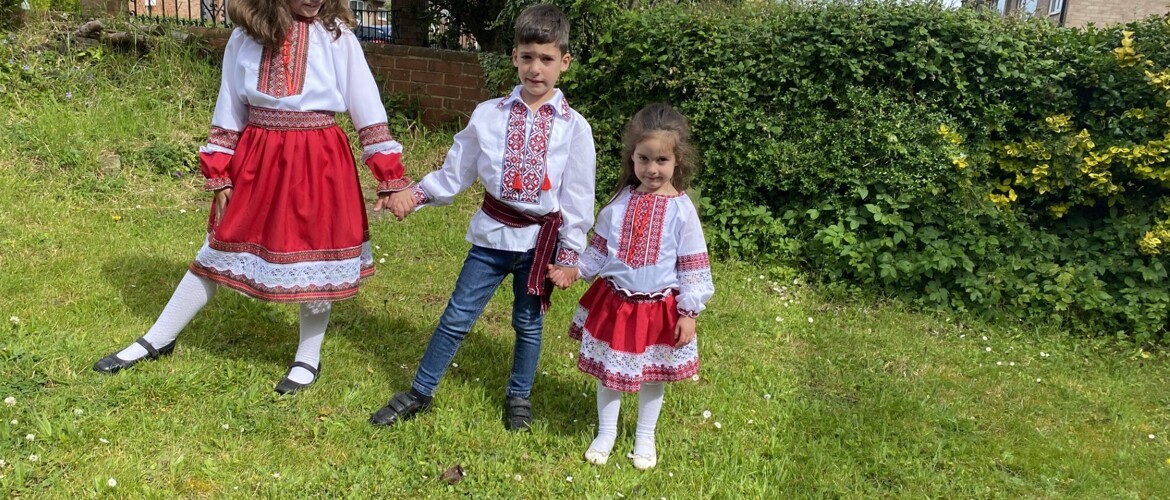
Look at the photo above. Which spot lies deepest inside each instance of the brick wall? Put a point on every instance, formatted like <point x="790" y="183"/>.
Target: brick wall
<point x="447" y="84"/>
<point x="1098" y="12"/>
<point x="1102" y="12"/>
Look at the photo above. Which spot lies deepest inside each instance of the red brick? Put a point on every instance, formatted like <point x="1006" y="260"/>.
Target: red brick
<point x="410" y="63"/>
<point x="426" y="78"/>
<point x="444" y="91"/>
<point x="474" y="95"/>
<point x="430" y="102"/>
<point x="461" y="80"/>
<point x="443" y="67"/>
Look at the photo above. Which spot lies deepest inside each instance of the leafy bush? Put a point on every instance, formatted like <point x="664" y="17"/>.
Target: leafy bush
<point x="960" y="160"/>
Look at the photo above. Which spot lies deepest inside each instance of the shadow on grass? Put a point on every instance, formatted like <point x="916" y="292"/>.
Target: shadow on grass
<point x="237" y="327"/>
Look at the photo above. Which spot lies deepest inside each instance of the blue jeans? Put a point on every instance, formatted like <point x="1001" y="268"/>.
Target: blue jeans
<point x="482" y="273"/>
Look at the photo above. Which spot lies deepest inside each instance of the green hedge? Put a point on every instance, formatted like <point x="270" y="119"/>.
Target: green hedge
<point x="959" y="160"/>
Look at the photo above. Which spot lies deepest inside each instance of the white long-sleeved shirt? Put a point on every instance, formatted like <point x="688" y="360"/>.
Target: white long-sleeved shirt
<point x="535" y="161"/>
<point x="317" y="73"/>
<point x="648" y="243"/>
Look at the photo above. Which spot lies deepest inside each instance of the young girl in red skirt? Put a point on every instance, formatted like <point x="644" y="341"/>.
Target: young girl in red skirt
<point x="288" y="223"/>
<point x="637" y="323"/>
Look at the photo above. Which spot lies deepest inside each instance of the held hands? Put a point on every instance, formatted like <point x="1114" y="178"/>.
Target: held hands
<point x="222" y="197"/>
<point x="400" y="204"/>
<point x="684" y="331"/>
<point x="563" y="276"/>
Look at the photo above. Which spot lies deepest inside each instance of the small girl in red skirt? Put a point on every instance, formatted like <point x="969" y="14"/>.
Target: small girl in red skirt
<point x="637" y="323"/>
<point x="288" y="223"/>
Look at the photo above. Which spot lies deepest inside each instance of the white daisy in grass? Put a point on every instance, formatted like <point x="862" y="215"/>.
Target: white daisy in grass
<point x="34" y="457"/>
<point x="706" y="414"/>
<point x="15" y="320"/>
<point x="112" y="482"/>
<point x="10" y="401"/>
<point x="30" y="437"/>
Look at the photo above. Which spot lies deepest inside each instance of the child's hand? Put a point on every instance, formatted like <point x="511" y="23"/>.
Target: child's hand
<point x="684" y="331"/>
<point x="563" y="276"/>
<point x="401" y="204"/>
<point x="222" y="197"/>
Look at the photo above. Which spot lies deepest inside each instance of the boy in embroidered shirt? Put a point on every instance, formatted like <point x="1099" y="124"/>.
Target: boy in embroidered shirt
<point x="535" y="157"/>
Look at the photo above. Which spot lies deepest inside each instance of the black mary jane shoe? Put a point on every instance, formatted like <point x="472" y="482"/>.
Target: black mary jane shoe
<point x="113" y="364"/>
<point x="517" y="414"/>
<point x="287" y="386"/>
<point x="403" y="406"/>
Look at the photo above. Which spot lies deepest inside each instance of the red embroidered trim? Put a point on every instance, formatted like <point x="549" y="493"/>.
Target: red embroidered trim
<point x="393" y="185"/>
<point x="378" y="132"/>
<point x="642" y="223"/>
<point x="280" y="294"/>
<point x="289" y="257"/>
<point x="223" y="137"/>
<point x="567" y="257"/>
<point x="639" y="298"/>
<point x="278" y="119"/>
<point x="650" y="373"/>
<point x="276" y="79"/>
<point x="688" y="313"/>
<point x="599" y="243"/>
<point x="420" y="196"/>
<point x="524" y="160"/>
<point x="217" y="184"/>
<point x="693" y="262"/>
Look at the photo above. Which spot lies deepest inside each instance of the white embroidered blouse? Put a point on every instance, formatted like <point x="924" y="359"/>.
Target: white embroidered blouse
<point x="536" y="162"/>
<point x="649" y="244"/>
<point x="313" y="72"/>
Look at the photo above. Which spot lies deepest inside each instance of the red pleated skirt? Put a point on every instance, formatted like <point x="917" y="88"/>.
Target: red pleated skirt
<point x="627" y="339"/>
<point x="296" y="228"/>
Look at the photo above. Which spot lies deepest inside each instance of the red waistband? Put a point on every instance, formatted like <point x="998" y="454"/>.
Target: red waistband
<point x="277" y="119"/>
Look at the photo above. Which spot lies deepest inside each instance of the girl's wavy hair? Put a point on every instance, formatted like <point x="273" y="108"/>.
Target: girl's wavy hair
<point x="655" y="119"/>
<point x="268" y="21"/>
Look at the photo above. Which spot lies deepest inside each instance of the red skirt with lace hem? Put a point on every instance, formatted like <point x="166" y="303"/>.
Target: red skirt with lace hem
<point x="627" y="339"/>
<point x="295" y="229"/>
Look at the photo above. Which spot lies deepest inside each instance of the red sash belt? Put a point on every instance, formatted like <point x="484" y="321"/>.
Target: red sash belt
<point x="546" y="242"/>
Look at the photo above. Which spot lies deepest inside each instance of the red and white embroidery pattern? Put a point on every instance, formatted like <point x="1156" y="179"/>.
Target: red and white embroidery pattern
<point x="378" y="132"/>
<point x="599" y="243"/>
<point x="642" y="230"/>
<point x="693" y="262"/>
<point x="223" y="137"/>
<point x="282" y="74"/>
<point x="524" y="160"/>
<point x="277" y="119"/>
<point x="567" y="257"/>
<point x="420" y="196"/>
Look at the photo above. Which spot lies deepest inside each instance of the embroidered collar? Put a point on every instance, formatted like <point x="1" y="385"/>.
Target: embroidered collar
<point x="559" y="103"/>
<point x="634" y="192"/>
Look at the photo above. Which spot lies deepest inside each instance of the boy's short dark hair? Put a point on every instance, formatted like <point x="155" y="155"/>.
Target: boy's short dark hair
<point x="543" y="23"/>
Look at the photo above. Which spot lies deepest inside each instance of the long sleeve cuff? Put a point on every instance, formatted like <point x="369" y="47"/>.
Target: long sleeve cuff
<point x="214" y="166"/>
<point x="566" y="257"/>
<point x="420" y="196"/>
<point x="387" y="168"/>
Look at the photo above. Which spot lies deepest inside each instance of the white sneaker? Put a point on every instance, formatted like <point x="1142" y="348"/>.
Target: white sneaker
<point x="596" y="457"/>
<point x="643" y="462"/>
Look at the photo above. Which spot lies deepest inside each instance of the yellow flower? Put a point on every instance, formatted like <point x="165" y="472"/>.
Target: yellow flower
<point x="960" y="162"/>
<point x="116" y="217"/>
<point x="1059" y="123"/>
<point x="1127" y="56"/>
<point x="1150" y="244"/>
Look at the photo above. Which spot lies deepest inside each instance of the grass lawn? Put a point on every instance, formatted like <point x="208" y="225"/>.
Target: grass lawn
<point x="799" y="395"/>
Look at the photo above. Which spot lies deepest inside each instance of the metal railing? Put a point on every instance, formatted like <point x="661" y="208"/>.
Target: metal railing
<point x="374" y="25"/>
<point x="184" y="12"/>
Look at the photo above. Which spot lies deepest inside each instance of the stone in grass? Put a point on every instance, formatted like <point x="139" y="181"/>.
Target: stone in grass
<point x="453" y="474"/>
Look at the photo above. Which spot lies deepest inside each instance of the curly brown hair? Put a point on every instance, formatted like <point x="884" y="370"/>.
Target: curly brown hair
<point x="268" y="21"/>
<point x="659" y="119"/>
